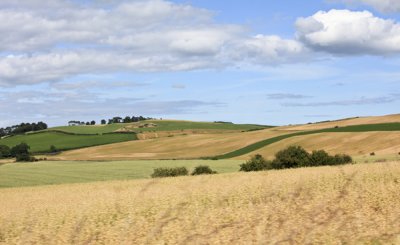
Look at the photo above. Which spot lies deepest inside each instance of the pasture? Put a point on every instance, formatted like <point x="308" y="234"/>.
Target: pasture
<point x="50" y="173"/>
<point x="352" y="204"/>
<point x="41" y="142"/>
<point x="158" y="125"/>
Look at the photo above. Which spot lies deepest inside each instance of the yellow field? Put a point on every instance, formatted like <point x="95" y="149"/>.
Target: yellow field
<point x="177" y="147"/>
<point x="353" y="204"/>
<point x="355" y="144"/>
<point x="348" y="122"/>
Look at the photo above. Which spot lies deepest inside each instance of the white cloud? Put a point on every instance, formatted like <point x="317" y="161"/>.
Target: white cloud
<point x="349" y="33"/>
<point x="67" y="39"/>
<point x="381" y="5"/>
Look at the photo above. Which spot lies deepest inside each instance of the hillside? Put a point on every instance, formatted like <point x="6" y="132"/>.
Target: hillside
<point x="353" y="204"/>
<point x="75" y="137"/>
<point x="366" y="138"/>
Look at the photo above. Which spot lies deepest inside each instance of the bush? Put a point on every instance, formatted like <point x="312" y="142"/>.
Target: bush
<point x="291" y="157"/>
<point x="169" y="172"/>
<point x="53" y="149"/>
<point x="22" y="148"/>
<point x="341" y="159"/>
<point x="256" y="163"/>
<point x="320" y="157"/>
<point x="203" y="170"/>
<point x="24" y="157"/>
<point x="5" y="151"/>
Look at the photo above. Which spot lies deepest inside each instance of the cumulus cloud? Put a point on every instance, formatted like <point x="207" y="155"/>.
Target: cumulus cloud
<point x="68" y="38"/>
<point x="348" y="32"/>
<point x="381" y="5"/>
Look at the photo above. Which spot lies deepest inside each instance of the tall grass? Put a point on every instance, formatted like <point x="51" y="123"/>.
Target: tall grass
<point x="352" y="204"/>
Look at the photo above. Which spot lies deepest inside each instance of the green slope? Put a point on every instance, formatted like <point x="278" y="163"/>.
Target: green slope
<point x="355" y="128"/>
<point x="161" y="125"/>
<point x="48" y="173"/>
<point x="41" y="142"/>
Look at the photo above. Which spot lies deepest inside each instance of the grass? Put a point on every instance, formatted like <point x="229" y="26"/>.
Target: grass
<point x="355" y="128"/>
<point x="161" y="125"/>
<point x="353" y="204"/>
<point x="49" y="173"/>
<point x="41" y="142"/>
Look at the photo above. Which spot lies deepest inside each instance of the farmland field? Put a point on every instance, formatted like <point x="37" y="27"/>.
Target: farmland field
<point x="352" y="204"/>
<point x="41" y="142"/>
<point x="158" y="125"/>
<point x="48" y="173"/>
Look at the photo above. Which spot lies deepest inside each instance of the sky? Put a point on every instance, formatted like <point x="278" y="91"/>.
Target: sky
<point x="266" y="62"/>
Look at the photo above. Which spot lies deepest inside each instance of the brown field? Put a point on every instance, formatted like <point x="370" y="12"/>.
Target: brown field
<point x="177" y="147"/>
<point x="355" y="144"/>
<point x="353" y="204"/>
<point x="347" y="122"/>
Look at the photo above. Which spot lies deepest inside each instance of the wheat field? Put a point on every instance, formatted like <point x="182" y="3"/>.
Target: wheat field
<point x="352" y="204"/>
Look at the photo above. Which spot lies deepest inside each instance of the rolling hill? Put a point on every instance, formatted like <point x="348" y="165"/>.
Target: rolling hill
<point x="75" y="137"/>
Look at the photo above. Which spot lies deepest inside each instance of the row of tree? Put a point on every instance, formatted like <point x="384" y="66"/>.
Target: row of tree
<point x="20" y="152"/>
<point x="126" y="119"/>
<point x="295" y="157"/>
<point x="22" y="128"/>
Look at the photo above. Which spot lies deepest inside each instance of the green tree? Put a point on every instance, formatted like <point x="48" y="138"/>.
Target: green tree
<point x="202" y="169"/>
<point x="256" y="163"/>
<point x="5" y="151"/>
<point x="19" y="149"/>
<point x="291" y="157"/>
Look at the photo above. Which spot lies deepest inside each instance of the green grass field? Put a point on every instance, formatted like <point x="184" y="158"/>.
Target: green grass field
<point x="355" y="128"/>
<point x="89" y="129"/>
<point x="41" y="142"/>
<point x="165" y="125"/>
<point x="49" y="173"/>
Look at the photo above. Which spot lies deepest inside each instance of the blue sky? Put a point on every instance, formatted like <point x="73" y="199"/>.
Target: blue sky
<point x="268" y="62"/>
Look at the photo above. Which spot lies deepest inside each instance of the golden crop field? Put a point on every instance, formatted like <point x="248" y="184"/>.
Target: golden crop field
<point x="356" y="144"/>
<point x="352" y="204"/>
<point x="179" y="147"/>
<point x="348" y="122"/>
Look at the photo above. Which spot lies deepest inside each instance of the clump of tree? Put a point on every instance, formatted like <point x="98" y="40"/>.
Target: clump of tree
<point x="295" y="157"/>
<point x="5" y="151"/>
<point x="22" y="128"/>
<point x="169" y="172"/>
<point x="203" y="169"/>
<point x="21" y="153"/>
<point x="256" y="163"/>
<point x="127" y="119"/>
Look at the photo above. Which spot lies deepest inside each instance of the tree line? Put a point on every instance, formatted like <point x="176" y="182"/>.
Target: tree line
<point x="22" y="128"/>
<point x="117" y="119"/>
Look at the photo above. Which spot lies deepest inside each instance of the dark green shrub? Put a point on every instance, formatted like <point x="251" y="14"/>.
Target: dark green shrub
<point x="291" y="157"/>
<point x="5" y="151"/>
<point x="320" y="157"/>
<point x="53" y="149"/>
<point x="202" y="169"/>
<point x="22" y="148"/>
<point x="256" y="163"/>
<point x="24" y="157"/>
<point x="169" y="172"/>
<point x="341" y="159"/>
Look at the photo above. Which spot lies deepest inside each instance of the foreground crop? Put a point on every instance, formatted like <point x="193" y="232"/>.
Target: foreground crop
<point x="347" y="204"/>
